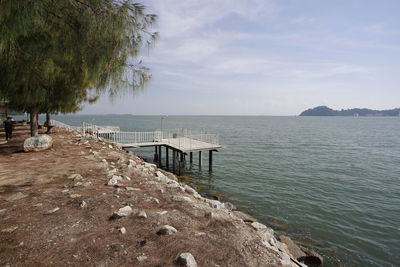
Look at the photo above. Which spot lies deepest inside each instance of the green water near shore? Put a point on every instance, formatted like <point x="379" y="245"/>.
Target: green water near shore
<point x="330" y="182"/>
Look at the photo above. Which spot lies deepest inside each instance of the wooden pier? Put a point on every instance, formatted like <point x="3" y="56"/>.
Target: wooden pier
<point x="181" y="142"/>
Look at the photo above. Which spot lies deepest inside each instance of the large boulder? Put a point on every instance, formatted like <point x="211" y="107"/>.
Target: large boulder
<point x="38" y="143"/>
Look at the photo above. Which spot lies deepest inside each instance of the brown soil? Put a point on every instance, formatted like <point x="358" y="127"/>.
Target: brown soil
<point x="81" y="236"/>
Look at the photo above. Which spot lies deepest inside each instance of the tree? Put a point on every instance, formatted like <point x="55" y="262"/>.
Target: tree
<point x="55" y="55"/>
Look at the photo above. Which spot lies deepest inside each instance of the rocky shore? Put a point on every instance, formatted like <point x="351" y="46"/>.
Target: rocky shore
<point x="85" y="202"/>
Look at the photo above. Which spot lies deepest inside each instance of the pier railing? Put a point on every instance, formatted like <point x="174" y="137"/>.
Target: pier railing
<point x="180" y="138"/>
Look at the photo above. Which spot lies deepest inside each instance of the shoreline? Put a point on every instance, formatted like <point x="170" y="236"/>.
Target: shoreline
<point x="122" y="180"/>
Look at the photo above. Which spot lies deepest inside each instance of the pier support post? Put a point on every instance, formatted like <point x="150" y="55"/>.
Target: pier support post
<point x="155" y="155"/>
<point x="167" y="158"/>
<point x="210" y="160"/>
<point x="191" y="158"/>
<point x="200" y="161"/>
<point x="173" y="159"/>
<point x="181" y="163"/>
<point x="159" y="155"/>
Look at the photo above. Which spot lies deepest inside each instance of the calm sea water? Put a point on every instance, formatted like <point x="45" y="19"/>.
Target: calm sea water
<point x="332" y="183"/>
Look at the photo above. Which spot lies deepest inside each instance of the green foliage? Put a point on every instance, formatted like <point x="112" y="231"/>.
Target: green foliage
<point x="55" y="55"/>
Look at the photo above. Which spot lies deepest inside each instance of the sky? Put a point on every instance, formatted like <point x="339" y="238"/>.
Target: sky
<point x="267" y="57"/>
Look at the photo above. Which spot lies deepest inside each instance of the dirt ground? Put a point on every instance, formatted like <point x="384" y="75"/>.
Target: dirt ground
<point x="49" y="219"/>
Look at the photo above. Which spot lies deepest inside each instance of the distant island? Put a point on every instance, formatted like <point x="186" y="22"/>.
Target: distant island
<point x="362" y="112"/>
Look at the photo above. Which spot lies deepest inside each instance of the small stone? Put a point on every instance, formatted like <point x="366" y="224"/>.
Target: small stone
<point x="65" y="191"/>
<point x="122" y="230"/>
<point x="186" y="259"/>
<point x="10" y="229"/>
<point x="114" y="180"/>
<point x="74" y="195"/>
<point x="181" y="199"/>
<point x="38" y="205"/>
<point x="75" y="177"/>
<point x="166" y="230"/>
<point x="52" y="210"/>
<point x="258" y="226"/>
<point x="142" y="214"/>
<point x="110" y="146"/>
<point x="16" y="196"/>
<point x="141" y="258"/>
<point x="83" y="204"/>
<point x="77" y="184"/>
<point x="3" y="210"/>
<point x="125" y="211"/>
<point x="127" y="178"/>
<point x="162" y="212"/>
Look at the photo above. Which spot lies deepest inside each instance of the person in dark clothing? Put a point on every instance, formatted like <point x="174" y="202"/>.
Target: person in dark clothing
<point x="8" y="127"/>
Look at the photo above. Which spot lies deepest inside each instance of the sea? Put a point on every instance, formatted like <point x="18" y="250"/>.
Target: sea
<point x="330" y="183"/>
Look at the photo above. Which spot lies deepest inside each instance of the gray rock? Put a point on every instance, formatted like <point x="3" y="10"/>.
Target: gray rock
<point x="141" y="258"/>
<point x="243" y="216"/>
<point x="258" y="226"/>
<point x="114" y="180"/>
<point x="181" y="199"/>
<point x="186" y="259"/>
<point x="142" y="214"/>
<point x="75" y="177"/>
<point x="16" y="196"/>
<point x="123" y="212"/>
<point x="122" y="230"/>
<point x="37" y="143"/>
<point x="52" y="210"/>
<point x="166" y="230"/>
<point x="83" y="204"/>
<point x="294" y="249"/>
<point x="9" y="229"/>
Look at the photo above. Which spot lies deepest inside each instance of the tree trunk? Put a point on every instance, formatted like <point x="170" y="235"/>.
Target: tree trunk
<point x="33" y="120"/>
<point x="47" y="119"/>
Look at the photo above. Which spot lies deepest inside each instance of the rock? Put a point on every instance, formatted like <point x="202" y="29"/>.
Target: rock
<point x="110" y="146"/>
<point x="16" y="196"/>
<point x="215" y="204"/>
<point x="243" y="216"/>
<point x="229" y="206"/>
<point x="83" y="204"/>
<point x="166" y="230"/>
<point x="181" y="199"/>
<point x="65" y="191"/>
<point x="74" y="195"/>
<point x="38" y="205"/>
<point x="191" y="191"/>
<point x="52" y="210"/>
<point x="294" y="249"/>
<point x="122" y="230"/>
<point x="312" y="258"/>
<point x="258" y="226"/>
<point x="37" y="143"/>
<point x="141" y="258"/>
<point x="123" y="212"/>
<point x="9" y="229"/>
<point x="162" y="212"/>
<point x="186" y="259"/>
<point x="176" y="186"/>
<point x="114" y="180"/>
<point x="76" y="177"/>
<point x="142" y="214"/>
<point x="3" y="210"/>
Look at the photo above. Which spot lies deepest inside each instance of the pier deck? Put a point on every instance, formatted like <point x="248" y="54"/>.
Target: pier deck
<point x="183" y="144"/>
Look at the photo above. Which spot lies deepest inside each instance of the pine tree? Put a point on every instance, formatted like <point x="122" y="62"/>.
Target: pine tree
<point x="56" y="55"/>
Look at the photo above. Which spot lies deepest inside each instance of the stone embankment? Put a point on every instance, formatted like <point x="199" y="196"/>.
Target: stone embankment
<point x="102" y="206"/>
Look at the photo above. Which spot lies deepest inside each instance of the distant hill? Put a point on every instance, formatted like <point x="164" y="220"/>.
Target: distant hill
<point x="363" y="112"/>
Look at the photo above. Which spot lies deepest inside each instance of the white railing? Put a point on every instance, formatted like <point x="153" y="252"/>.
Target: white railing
<point x="179" y="138"/>
<point x="60" y="124"/>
